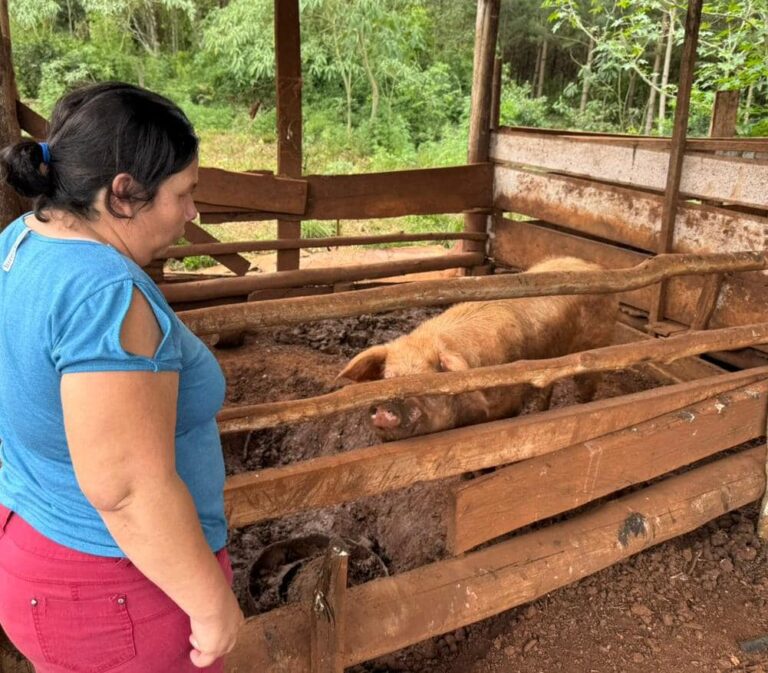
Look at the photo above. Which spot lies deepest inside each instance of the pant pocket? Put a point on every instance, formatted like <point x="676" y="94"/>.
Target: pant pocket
<point x="92" y="635"/>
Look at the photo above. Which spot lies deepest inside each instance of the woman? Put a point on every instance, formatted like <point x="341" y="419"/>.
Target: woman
<point x="112" y="526"/>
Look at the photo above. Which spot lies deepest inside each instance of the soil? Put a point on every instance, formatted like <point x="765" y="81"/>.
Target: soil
<point x="684" y="606"/>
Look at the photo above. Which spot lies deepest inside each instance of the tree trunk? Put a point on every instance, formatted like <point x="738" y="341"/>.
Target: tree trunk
<point x="536" y="69"/>
<point x="655" y="77"/>
<point x="371" y="77"/>
<point x="665" y="74"/>
<point x="11" y="204"/>
<point x="748" y="105"/>
<point x="630" y="93"/>
<point x="587" y="77"/>
<point x="542" y="71"/>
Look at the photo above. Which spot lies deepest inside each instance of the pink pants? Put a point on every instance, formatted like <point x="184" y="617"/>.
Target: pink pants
<point x="72" y="612"/>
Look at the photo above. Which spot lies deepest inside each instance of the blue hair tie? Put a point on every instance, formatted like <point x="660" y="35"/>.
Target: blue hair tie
<point x="46" y="152"/>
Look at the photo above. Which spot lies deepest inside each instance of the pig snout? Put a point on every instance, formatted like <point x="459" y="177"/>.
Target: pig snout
<point x="385" y="417"/>
<point x="394" y="415"/>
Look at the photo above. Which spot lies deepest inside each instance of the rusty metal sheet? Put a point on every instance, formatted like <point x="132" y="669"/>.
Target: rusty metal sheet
<point x="716" y="178"/>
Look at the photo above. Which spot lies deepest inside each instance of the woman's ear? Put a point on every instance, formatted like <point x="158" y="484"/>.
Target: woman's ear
<point x="122" y="197"/>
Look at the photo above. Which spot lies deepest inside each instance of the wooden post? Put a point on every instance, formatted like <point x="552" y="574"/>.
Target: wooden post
<point x="707" y="303"/>
<point x="11" y="204"/>
<point x="496" y="94"/>
<point x="289" y="121"/>
<point x="327" y="613"/>
<point x="725" y="114"/>
<point x="486" y="31"/>
<point x="677" y="151"/>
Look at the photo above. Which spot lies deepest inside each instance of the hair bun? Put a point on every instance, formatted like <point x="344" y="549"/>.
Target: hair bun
<point x="21" y="168"/>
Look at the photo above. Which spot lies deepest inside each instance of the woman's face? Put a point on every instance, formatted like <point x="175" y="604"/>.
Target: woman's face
<point x="161" y="223"/>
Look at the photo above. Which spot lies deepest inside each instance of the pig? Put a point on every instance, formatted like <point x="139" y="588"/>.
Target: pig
<point x="482" y="334"/>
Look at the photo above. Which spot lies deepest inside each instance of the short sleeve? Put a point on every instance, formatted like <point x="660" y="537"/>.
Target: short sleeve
<point x="89" y="340"/>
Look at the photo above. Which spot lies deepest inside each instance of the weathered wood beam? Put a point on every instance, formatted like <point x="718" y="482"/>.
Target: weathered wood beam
<point x="327" y="626"/>
<point x="725" y="114"/>
<point x="707" y="301"/>
<point x="11" y="204"/>
<point x="442" y="292"/>
<point x="181" y="251"/>
<point x="196" y="234"/>
<point x="289" y="114"/>
<point x="537" y="489"/>
<point x="31" y="122"/>
<point x="677" y="151"/>
<point x="716" y="178"/>
<point x="233" y="287"/>
<point x="254" y="191"/>
<point x="330" y="480"/>
<point x="486" y="33"/>
<point x="622" y="215"/>
<point x="522" y="244"/>
<point x="747" y="145"/>
<point x="392" y="613"/>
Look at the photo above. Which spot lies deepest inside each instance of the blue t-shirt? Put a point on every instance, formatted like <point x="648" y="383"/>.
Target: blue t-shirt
<point x="62" y="304"/>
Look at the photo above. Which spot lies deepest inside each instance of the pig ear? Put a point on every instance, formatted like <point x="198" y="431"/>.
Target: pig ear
<point x="366" y="366"/>
<point x="450" y="361"/>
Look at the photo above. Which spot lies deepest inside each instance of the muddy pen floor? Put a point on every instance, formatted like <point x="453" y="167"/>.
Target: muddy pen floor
<point x="683" y="606"/>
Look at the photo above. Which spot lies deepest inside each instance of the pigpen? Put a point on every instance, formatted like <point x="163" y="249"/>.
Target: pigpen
<point x="552" y="497"/>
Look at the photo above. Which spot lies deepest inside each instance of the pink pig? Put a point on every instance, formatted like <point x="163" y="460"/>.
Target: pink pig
<point x="482" y="334"/>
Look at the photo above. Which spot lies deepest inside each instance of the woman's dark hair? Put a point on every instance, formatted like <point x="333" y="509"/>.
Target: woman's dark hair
<point x="97" y="132"/>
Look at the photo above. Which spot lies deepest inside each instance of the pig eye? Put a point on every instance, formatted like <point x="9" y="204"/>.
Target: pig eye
<point x="440" y="367"/>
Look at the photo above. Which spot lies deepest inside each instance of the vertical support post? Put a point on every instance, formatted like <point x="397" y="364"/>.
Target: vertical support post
<point x="725" y="113"/>
<point x="327" y="613"/>
<point x="11" y="204"/>
<point x="710" y="291"/>
<point x="677" y="151"/>
<point x="486" y="32"/>
<point x="289" y="120"/>
<point x="496" y="94"/>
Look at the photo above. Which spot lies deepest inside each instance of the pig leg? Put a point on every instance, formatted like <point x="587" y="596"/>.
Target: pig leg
<point x="586" y="386"/>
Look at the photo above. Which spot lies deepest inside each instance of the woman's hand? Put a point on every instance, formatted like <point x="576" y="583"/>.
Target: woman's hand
<point x="214" y="636"/>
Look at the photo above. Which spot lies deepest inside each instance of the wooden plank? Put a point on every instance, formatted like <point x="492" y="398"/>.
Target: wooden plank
<point x="181" y="251"/>
<point x="486" y="33"/>
<point x="522" y="244"/>
<point x="235" y="263"/>
<point x="622" y="215"/>
<point x="715" y="178"/>
<point x="424" y="191"/>
<point x="539" y="488"/>
<point x="707" y="301"/>
<point x="685" y="369"/>
<point x="677" y="151"/>
<point x="725" y="113"/>
<point x="329" y="480"/>
<point x="449" y="291"/>
<point x="328" y="613"/>
<point x="397" y="193"/>
<point x="233" y="287"/>
<point x="739" y="145"/>
<point x="392" y="613"/>
<point x="31" y="122"/>
<point x="289" y="116"/>
<point x="251" y="191"/>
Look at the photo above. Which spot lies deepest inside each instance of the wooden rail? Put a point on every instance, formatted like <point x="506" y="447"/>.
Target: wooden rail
<point x="233" y="287"/>
<point x="181" y="251"/>
<point x="536" y="489"/>
<point x="330" y="480"/>
<point x="392" y="613"/>
<point x="449" y="291"/>
<point x="535" y="372"/>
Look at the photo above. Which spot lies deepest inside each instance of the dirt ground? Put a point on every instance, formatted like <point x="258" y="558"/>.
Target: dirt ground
<point x="681" y="607"/>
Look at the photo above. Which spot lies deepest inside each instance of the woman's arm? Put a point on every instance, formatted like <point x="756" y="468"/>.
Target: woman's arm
<point x="120" y="430"/>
